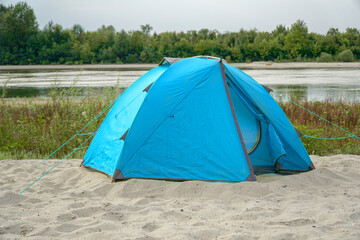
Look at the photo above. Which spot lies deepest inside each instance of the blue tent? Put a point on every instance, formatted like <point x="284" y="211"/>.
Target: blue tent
<point x="196" y="118"/>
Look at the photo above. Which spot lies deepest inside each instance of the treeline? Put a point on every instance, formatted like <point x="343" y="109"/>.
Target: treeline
<point x="22" y="42"/>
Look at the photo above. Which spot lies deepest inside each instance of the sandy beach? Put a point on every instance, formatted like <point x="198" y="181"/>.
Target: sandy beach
<point x="253" y="65"/>
<point x="73" y="202"/>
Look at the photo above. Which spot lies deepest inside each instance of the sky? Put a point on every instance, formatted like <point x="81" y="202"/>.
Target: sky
<point x="184" y="15"/>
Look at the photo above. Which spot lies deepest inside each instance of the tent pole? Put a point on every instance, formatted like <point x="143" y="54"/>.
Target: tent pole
<point x="251" y="176"/>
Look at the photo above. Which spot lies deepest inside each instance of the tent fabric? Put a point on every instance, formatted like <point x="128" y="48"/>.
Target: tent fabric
<point x="296" y="157"/>
<point x="178" y="122"/>
<point x="106" y="146"/>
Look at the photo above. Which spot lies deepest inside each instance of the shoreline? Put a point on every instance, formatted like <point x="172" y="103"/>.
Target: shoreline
<point x="140" y="66"/>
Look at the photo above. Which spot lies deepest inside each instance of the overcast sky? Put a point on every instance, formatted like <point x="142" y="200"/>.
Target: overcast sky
<point x="183" y="15"/>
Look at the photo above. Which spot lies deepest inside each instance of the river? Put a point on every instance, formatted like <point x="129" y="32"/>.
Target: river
<point x="302" y="84"/>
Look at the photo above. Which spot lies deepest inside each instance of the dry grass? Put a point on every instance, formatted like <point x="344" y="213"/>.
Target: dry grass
<point x="342" y="113"/>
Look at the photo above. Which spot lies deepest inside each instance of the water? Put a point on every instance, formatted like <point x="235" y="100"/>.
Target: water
<point x="301" y="84"/>
<point x="312" y="84"/>
<point x="38" y="83"/>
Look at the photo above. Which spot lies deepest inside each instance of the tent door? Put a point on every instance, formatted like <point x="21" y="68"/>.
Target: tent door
<point x="249" y="124"/>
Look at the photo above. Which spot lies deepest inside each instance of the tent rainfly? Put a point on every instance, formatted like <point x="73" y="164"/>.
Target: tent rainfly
<point x="196" y="119"/>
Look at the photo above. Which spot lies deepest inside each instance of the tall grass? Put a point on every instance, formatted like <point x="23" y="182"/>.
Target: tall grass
<point x="342" y="113"/>
<point x="35" y="127"/>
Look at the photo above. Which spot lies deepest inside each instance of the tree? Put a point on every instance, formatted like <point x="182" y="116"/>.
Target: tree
<point x="146" y="29"/>
<point x="122" y="45"/>
<point x="280" y="29"/>
<point x="297" y="42"/>
<point x="332" y="43"/>
<point x="22" y="43"/>
<point x="3" y="9"/>
<point x="18" y="24"/>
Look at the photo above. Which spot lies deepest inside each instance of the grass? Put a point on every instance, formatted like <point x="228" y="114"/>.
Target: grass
<point x="342" y="113"/>
<point x="35" y="127"/>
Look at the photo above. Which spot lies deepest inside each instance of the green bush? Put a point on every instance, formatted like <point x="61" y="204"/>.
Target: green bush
<point x="325" y="57"/>
<point x="346" y="56"/>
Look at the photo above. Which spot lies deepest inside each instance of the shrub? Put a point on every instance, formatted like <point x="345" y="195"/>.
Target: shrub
<point x="325" y="57"/>
<point x="345" y="56"/>
<point x="228" y="59"/>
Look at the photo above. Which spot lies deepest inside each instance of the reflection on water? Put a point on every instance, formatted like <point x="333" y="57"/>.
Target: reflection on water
<point x="316" y="92"/>
<point x="311" y="84"/>
<point x="296" y="92"/>
<point x="301" y="84"/>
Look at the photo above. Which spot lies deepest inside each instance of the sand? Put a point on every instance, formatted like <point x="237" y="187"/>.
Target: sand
<point x="132" y="66"/>
<point x="73" y="202"/>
